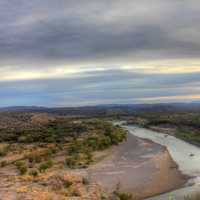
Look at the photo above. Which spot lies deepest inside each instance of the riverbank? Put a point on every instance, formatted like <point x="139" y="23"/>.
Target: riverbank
<point x="138" y="166"/>
<point x="181" y="134"/>
<point x="184" y="126"/>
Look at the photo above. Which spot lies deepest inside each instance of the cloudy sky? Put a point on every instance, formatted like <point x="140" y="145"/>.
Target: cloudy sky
<point x="87" y="52"/>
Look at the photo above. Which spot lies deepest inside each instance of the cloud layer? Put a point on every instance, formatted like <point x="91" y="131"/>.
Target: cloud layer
<point x="108" y="51"/>
<point x="113" y="86"/>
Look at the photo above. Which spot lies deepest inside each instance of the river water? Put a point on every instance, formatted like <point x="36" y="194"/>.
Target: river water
<point x="187" y="157"/>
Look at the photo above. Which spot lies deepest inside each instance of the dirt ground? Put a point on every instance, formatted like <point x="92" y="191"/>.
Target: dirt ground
<point x="139" y="167"/>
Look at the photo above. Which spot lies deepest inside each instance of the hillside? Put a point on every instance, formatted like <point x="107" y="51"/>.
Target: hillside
<point x="39" y="154"/>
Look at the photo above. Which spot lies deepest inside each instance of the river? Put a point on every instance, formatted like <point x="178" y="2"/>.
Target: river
<point x="187" y="157"/>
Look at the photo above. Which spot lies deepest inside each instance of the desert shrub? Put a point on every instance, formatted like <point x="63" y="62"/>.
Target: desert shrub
<point x="3" y="163"/>
<point x="4" y="151"/>
<point x="49" y="152"/>
<point x="89" y="158"/>
<point x="38" y="157"/>
<point x="73" y="149"/>
<point x="22" y="169"/>
<point x="125" y="196"/>
<point x="44" y="166"/>
<point x="19" y="163"/>
<point x="71" y="161"/>
<point x="118" y="195"/>
<point x="58" y="182"/>
<point x="33" y="172"/>
<point x="54" y="150"/>
<point x="75" y="192"/>
<point x="23" y="139"/>
<point x="67" y="183"/>
<point x="101" y="135"/>
<point x="21" y="166"/>
<point x="34" y="157"/>
<point x="85" y="181"/>
<point x="104" y="142"/>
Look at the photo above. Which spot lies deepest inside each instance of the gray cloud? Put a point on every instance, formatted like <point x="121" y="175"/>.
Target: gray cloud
<point x="46" y="34"/>
<point x="74" y="31"/>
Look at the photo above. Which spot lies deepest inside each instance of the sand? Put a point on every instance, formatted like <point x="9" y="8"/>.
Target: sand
<point x="138" y="166"/>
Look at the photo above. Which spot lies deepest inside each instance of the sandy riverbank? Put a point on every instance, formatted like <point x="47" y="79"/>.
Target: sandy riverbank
<point x="140" y="166"/>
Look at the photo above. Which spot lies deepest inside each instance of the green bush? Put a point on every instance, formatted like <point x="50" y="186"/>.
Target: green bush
<point x="67" y="183"/>
<point x="125" y="196"/>
<point x="44" y="166"/>
<point x="4" y="151"/>
<point x="22" y="169"/>
<point x="37" y="157"/>
<point x="21" y="166"/>
<point x="71" y="162"/>
<point x="33" y="172"/>
<point x="85" y="181"/>
<point x="73" y="149"/>
<point x="3" y="163"/>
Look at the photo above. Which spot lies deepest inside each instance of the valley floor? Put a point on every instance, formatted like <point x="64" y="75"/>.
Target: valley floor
<point x="136" y="166"/>
<point x="139" y="167"/>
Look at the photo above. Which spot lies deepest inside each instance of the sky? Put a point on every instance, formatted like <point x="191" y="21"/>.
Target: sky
<point x="88" y="52"/>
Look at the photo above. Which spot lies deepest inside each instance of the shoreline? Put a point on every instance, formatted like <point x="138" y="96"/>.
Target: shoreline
<point x="176" y="180"/>
<point x="147" y="163"/>
<point x="171" y="131"/>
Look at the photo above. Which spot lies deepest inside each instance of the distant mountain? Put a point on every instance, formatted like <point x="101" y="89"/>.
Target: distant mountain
<point x="22" y="108"/>
<point x="106" y="110"/>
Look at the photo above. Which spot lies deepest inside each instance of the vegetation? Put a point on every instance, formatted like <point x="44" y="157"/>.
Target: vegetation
<point x="118" y="195"/>
<point x="44" y="166"/>
<point x="33" y="172"/>
<point x="102" y="135"/>
<point x="192" y="136"/>
<point x="76" y="140"/>
<point x="4" y="151"/>
<point x="42" y="150"/>
<point x="61" y="131"/>
<point x="125" y="196"/>
<point x="184" y="125"/>
<point x="3" y="163"/>
<point x="21" y="166"/>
